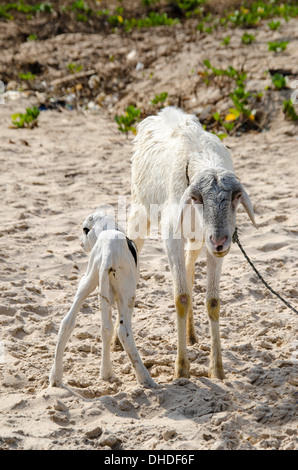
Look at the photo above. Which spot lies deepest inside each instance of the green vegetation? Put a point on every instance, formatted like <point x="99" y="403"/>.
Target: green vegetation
<point x="32" y="37"/>
<point x="248" y="15"/>
<point x="127" y="121"/>
<point x="274" y="25"/>
<point x="23" y="7"/>
<point x="28" y="120"/>
<point x="289" y="111"/>
<point x="279" y="81"/>
<point x="247" y="38"/>
<point x="277" y="46"/>
<point x="122" y="19"/>
<point x="159" y="99"/>
<point x="73" y="67"/>
<point x="241" y="111"/>
<point x="27" y="76"/>
<point x="226" y="41"/>
<point x="153" y="19"/>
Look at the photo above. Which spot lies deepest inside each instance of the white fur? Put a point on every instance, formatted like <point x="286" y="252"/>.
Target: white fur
<point x="112" y="267"/>
<point x="169" y="149"/>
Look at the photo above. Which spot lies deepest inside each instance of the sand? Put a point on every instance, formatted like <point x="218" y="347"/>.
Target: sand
<point x="52" y="177"/>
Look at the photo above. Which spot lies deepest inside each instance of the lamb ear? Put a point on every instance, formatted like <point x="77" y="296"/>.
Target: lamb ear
<point x="246" y="202"/>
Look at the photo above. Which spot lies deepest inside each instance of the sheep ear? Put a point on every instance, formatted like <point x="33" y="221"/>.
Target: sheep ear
<point x="246" y="202"/>
<point x="184" y="201"/>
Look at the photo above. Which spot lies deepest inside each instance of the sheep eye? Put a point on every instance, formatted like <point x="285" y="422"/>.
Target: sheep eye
<point x="197" y="199"/>
<point x="86" y="230"/>
<point x="237" y="195"/>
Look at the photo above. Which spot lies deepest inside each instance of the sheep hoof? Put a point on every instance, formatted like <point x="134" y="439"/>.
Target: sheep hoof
<point x="192" y="339"/>
<point x="216" y="373"/>
<point x="116" y="344"/>
<point x="182" y="369"/>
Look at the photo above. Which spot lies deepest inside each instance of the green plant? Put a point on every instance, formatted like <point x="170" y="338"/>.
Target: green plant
<point x="247" y="38"/>
<point x="73" y="67"/>
<point x="289" y="110"/>
<point x="251" y="14"/>
<point x="153" y="19"/>
<point x="279" y="81"/>
<point x="149" y="3"/>
<point x="226" y="41"/>
<point x="274" y="25"/>
<point x="126" y="122"/>
<point x="230" y="72"/>
<point x="32" y="37"/>
<point x="27" y="76"/>
<point x="29" y="119"/>
<point x="241" y="111"/>
<point x="22" y="7"/>
<point x="240" y="100"/>
<point x="159" y="98"/>
<point x="81" y="6"/>
<point x="277" y="46"/>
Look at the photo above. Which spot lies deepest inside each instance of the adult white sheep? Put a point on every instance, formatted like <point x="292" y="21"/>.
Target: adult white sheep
<point x="175" y="163"/>
<point x="114" y="267"/>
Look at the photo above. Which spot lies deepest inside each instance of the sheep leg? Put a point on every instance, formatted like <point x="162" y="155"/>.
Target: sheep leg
<point x="86" y="286"/>
<point x="107" y="329"/>
<point x="214" y="266"/>
<point x="191" y="257"/>
<point x="137" y="229"/>
<point x="116" y="343"/>
<point x="175" y="252"/>
<point x="125" y="334"/>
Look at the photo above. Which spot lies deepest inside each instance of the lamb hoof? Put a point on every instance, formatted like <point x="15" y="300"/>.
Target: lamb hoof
<point x="116" y="344"/>
<point x="150" y="384"/>
<point x="54" y="380"/>
<point x="55" y="383"/>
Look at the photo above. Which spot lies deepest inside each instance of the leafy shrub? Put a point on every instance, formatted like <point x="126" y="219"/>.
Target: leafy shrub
<point x="274" y="25"/>
<point x="277" y="46"/>
<point x="27" y="76"/>
<point x="29" y="119"/>
<point x="289" y="111"/>
<point x="126" y="122"/>
<point x="279" y="81"/>
<point x="159" y="98"/>
<point x="226" y="41"/>
<point x="241" y="111"/>
<point x="247" y="38"/>
<point x="73" y="67"/>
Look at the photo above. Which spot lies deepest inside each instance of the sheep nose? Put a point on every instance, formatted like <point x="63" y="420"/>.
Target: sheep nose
<point x="218" y="242"/>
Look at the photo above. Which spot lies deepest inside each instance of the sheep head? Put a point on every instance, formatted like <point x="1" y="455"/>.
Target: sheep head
<point x="93" y="225"/>
<point x="220" y="192"/>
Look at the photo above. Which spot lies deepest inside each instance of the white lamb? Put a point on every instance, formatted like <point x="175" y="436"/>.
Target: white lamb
<point x="176" y="164"/>
<point x="114" y="267"/>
